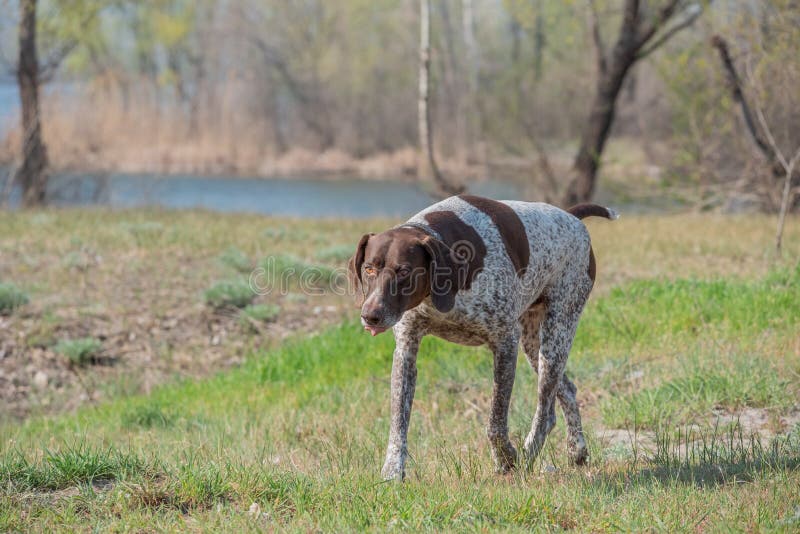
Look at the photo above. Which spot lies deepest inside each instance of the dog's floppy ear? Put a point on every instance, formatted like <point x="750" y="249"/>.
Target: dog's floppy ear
<point x="354" y="268"/>
<point x="444" y="273"/>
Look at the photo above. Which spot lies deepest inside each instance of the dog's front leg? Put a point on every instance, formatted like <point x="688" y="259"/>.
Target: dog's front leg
<point x="404" y="380"/>
<point x="505" y="362"/>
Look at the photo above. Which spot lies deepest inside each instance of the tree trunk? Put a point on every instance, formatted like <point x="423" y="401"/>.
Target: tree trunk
<point x="426" y="167"/>
<point x="471" y="109"/>
<point x="595" y="134"/>
<point x="32" y="172"/>
<point x="639" y="35"/>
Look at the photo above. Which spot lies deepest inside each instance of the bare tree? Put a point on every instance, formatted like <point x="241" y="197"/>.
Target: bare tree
<point x="427" y="168"/>
<point x="642" y="31"/>
<point x="781" y="166"/>
<point x="789" y="166"/>
<point x="32" y="172"/>
<point x="31" y="73"/>
<point x="473" y="127"/>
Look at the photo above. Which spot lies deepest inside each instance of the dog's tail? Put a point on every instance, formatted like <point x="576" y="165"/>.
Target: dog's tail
<point x="582" y="211"/>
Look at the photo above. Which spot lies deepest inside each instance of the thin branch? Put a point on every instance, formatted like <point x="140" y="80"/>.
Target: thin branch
<point x="787" y="186"/>
<point x="597" y="38"/>
<point x="646" y="32"/>
<point x="48" y="68"/>
<point x="788" y="168"/>
<point x="770" y="138"/>
<point x="735" y="83"/>
<point x="693" y="12"/>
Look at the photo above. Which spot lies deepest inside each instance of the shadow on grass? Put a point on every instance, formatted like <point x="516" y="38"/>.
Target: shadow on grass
<point x="708" y="459"/>
<point x="700" y="475"/>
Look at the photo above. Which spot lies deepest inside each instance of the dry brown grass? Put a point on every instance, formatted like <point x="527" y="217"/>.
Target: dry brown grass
<point x="104" y="133"/>
<point x="688" y="245"/>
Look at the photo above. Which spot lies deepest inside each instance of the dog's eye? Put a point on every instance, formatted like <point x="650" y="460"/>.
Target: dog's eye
<point x="370" y="271"/>
<point x="402" y="272"/>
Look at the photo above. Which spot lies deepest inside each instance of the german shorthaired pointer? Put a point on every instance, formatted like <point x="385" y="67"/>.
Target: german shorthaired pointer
<point x="477" y="271"/>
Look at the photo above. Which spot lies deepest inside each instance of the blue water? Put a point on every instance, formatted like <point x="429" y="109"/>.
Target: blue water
<point x="9" y="106"/>
<point x="297" y="197"/>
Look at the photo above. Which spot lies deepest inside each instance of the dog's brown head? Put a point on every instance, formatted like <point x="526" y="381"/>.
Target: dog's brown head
<point x="396" y="270"/>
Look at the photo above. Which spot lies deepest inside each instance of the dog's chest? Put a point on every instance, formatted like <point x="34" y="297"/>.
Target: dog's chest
<point x="475" y="325"/>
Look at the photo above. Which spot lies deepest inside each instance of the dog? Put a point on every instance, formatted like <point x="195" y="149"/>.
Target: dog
<point x="477" y="271"/>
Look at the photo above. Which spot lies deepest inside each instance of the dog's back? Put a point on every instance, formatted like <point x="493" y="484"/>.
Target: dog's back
<point x="523" y="245"/>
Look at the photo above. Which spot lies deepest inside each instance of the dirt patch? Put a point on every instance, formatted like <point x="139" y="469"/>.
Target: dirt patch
<point x="137" y="287"/>
<point x="749" y="423"/>
<point x="758" y="420"/>
<point x="140" y="351"/>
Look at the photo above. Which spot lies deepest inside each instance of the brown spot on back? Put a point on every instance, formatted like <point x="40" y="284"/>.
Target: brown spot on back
<point x="455" y="234"/>
<point x="510" y="227"/>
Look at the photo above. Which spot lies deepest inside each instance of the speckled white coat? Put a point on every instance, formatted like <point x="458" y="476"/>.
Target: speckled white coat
<point x="540" y="307"/>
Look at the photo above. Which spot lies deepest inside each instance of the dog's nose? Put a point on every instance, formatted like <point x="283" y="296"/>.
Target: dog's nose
<point x="371" y="318"/>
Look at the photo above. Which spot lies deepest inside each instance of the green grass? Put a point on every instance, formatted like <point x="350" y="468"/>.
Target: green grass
<point x="69" y="466"/>
<point x="294" y="438"/>
<point x="11" y="298"/>
<point x="229" y="294"/>
<point x="338" y="254"/>
<point x="81" y="351"/>
<point x="288" y="270"/>
<point x="237" y="260"/>
<point x="261" y="313"/>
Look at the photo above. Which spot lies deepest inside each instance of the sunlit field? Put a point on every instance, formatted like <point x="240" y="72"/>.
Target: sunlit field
<point x="687" y="362"/>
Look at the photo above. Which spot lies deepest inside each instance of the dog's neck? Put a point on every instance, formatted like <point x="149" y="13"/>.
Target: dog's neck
<point x="423" y="227"/>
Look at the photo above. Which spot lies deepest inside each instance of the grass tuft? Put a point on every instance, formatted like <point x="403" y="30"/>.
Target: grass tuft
<point x="287" y="270"/>
<point x="69" y="466"/>
<point x="236" y="259"/>
<point x="147" y="415"/>
<point x="11" y="298"/>
<point x="261" y="313"/>
<point x="82" y="351"/>
<point x="338" y="254"/>
<point x="229" y="294"/>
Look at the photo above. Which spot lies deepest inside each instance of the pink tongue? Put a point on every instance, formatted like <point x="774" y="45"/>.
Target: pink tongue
<point x="375" y="330"/>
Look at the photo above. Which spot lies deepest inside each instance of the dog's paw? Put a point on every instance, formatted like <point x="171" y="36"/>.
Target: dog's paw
<point x="578" y="456"/>
<point x="577" y="451"/>
<point x="393" y="470"/>
<point x="505" y="458"/>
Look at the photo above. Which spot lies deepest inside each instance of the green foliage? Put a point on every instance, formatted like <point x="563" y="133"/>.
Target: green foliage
<point x="147" y="415"/>
<point x="338" y="254"/>
<point x="72" y="25"/>
<point x="236" y="259"/>
<point x="82" y="351"/>
<point x="231" y="293"/>
<point x="287" y="269"/>
<point x="11" y="298"/>
<point x="261" y="312"/>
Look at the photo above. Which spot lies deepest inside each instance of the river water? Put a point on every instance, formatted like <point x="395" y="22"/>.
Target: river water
<point x="297" y="197"/>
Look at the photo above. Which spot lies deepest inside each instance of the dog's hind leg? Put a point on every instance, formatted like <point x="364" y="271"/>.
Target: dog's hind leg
<point x="576" y="444"/>
<point x="547" y="349"/>
<point x="531" y="323"/>
<point x="505" y="362"/>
